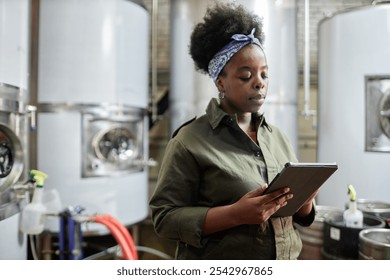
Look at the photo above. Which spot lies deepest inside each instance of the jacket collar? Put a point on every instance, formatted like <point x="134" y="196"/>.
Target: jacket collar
<point x="216" y="115"/>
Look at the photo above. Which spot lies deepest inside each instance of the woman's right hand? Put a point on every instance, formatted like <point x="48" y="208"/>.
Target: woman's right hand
<point x="256" y="207"/>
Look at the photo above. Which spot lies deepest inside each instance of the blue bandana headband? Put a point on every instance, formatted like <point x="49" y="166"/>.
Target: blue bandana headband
<point x="222" y="57"/>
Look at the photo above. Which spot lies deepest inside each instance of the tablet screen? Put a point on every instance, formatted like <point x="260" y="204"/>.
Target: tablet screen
<point x="303" y="179"/>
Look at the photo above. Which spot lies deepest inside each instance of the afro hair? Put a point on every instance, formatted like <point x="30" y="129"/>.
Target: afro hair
<point x="220" y="22"/>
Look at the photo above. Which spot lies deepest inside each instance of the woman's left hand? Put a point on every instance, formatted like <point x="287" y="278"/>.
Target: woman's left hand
<point x="307" y="207"/>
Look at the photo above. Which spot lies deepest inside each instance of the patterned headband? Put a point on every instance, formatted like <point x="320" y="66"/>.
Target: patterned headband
<point x="222" y="57"/>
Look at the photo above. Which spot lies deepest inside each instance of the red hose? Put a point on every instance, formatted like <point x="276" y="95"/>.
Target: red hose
<point x="125" y="233"/>
<point x="119" y="232"/>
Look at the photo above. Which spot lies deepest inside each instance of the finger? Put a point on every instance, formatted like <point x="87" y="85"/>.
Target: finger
<point x="277" y="193"/>
<point x="278" y="203"/>
<point x="283" y="200"/>
<point x="257" y="192"/>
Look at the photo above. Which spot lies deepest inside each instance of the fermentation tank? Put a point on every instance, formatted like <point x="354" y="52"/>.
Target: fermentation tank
<point x="354" y="103"/>
<point x="92" y="106"/>
<point x="191" y="91"/>
<point x="14" y="116"/>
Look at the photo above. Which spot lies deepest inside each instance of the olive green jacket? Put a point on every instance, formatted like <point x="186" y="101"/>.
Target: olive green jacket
<point x="211" y="162"/>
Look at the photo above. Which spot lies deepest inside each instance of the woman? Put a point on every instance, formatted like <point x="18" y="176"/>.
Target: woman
<point x="210" y="190"/>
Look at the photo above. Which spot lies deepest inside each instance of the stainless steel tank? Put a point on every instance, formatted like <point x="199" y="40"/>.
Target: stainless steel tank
<point x="191" y="91"/>
<point x="14" y="115"/>
<point x="353" y="103"/>
<point x="93" y="99"/>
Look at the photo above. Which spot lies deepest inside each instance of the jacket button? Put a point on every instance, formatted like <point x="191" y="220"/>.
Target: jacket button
<point x="257" y="154"/>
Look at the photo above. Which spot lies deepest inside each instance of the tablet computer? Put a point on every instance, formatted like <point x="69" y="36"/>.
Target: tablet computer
<point x="303" y="179"/>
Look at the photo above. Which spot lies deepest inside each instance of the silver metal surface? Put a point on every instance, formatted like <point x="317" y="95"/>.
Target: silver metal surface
<point x="377" y="113"/>
<point x="112" y="141"/>
<point x="14" y="90"/>
<point x="10" y="99"/>
<point x="13" y="139"/>
<point x="14" y="116"/>
<point x="384" y="113"/>
<point x="7" y="206"/>
<point x="93" y="90"/>
<point x="112" y="137"/>
<point x="375" y="244"/>
<point x="353" y="78"/>
<point x="373" y="207"/>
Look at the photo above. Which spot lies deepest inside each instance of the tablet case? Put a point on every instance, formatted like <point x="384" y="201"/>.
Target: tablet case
<point x="303" y="179"/>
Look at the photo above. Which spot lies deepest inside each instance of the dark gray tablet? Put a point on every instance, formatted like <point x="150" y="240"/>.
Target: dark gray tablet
<point x="303" y="179"/>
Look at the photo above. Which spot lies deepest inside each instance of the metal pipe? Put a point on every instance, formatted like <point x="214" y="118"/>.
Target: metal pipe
<point x="33" y="80"/>
<point x="379" y="2"/>
<point x="154" y="60"/>
<point x="307" y="112"/>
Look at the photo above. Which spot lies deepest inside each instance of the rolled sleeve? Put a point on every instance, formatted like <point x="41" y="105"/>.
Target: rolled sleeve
<point x="175" y="213"/>
<point x="308" y="220"/>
